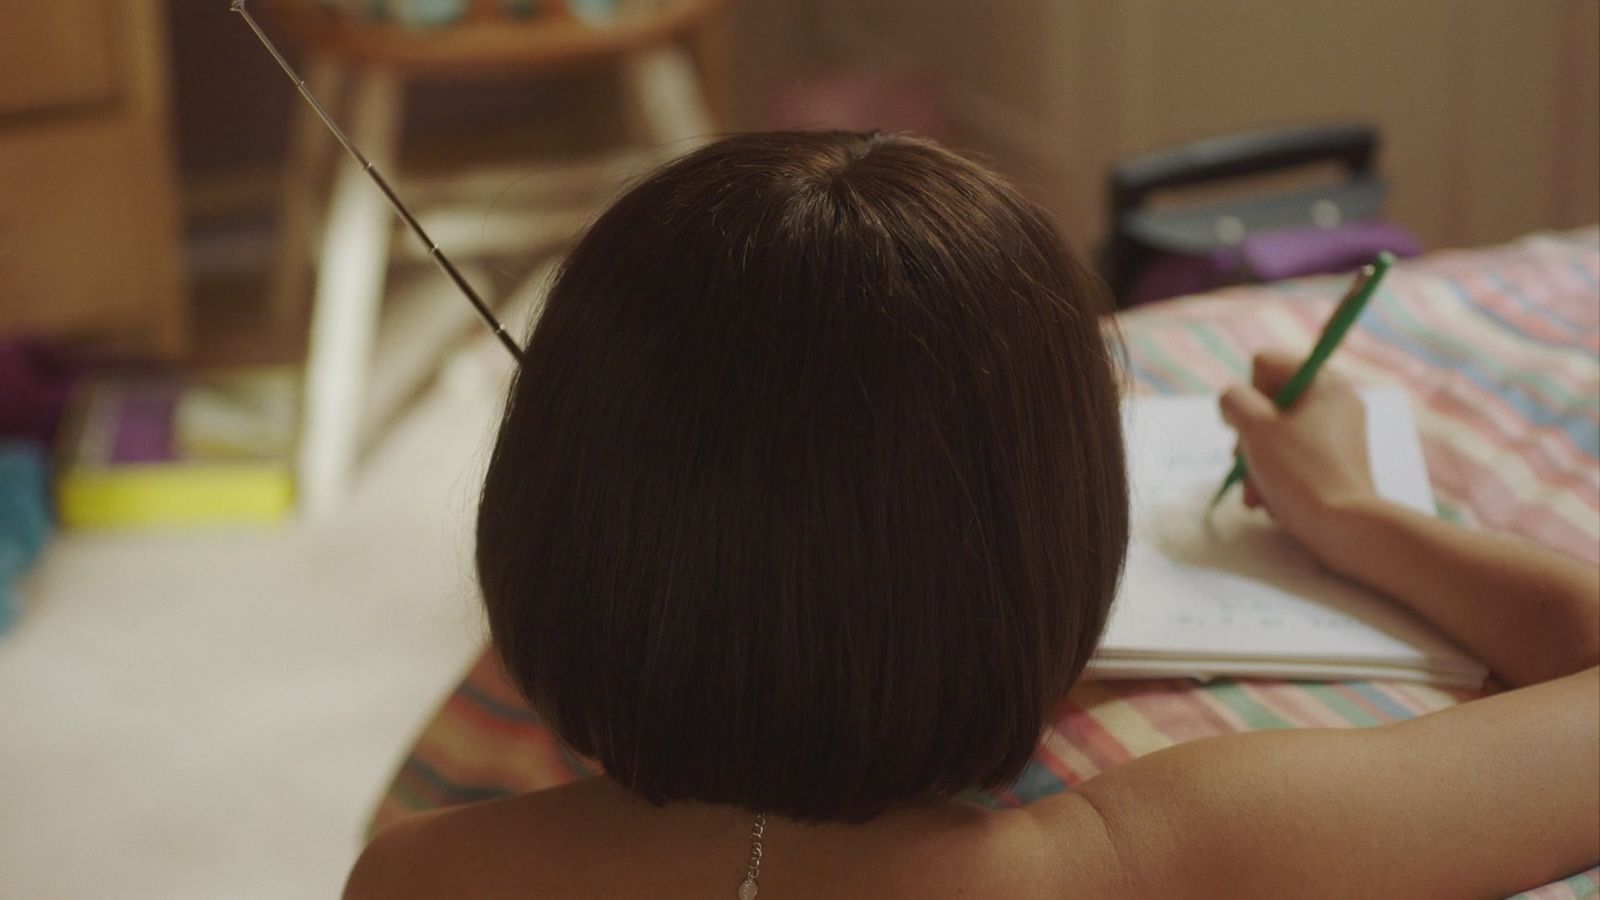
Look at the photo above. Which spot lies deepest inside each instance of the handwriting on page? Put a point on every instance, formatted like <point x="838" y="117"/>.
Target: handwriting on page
<point x="1234" y="541"/>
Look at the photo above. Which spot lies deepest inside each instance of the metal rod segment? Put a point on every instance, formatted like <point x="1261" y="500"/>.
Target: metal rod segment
<point x="400" y="209"/>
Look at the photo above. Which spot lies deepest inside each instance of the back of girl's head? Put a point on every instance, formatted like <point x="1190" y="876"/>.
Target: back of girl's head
<point x="810" y="495"/>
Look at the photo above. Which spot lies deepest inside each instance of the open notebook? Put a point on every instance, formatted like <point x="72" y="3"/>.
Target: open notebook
<point x="1231" y="594"/>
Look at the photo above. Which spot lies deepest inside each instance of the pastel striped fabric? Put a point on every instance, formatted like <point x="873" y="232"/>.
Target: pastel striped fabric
<point x="1501" y="351"/>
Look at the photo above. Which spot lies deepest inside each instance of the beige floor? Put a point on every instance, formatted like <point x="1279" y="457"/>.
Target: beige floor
<point x="212" y="715"/>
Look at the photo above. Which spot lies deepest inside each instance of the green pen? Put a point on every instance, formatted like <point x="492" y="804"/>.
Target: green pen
<point x="1344" y="315"/>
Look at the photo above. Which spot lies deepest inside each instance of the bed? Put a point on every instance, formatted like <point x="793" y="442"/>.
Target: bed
<point x="1500" y="348"/>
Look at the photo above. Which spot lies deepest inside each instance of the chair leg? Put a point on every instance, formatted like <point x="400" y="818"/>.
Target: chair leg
<point x="666" y="86"/>
<point x="302" y="191"/>
<point x="350" y="281"/>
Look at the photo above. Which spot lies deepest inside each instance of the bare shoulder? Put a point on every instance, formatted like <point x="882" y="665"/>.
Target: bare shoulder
<point x="1234" y="816"/>
<point x="399" y="861"/>
<point x="1073" y="838"/>
<point x="440" y="853"/>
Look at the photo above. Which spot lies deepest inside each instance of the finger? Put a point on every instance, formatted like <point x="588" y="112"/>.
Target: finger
<point x="1272" y="369"/>
<point x="1333" y="377"/>
<point x="1243" y="405"/>
<point x="1252" y="496"/>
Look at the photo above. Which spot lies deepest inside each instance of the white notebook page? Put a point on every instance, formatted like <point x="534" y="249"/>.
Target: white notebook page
<point x="1230" y="593"/>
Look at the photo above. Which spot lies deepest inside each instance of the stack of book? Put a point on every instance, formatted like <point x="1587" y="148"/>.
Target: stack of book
<point x="147" y="449"/>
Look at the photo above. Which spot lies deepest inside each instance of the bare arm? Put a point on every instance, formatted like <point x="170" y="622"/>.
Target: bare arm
<point x="1530" y="613"/>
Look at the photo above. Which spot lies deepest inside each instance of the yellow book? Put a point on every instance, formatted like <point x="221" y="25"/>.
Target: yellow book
<point x="212" y="448"/>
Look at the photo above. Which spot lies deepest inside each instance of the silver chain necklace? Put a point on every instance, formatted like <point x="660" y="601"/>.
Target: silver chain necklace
<point x="752" y="872"/>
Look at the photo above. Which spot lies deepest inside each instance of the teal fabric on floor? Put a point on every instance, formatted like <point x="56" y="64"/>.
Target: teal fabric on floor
<point x="24" y="520"/>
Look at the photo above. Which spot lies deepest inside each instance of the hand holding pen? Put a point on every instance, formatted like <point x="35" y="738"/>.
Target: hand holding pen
<point x="1309" y="463"/>
<point x="1285" y="385"/>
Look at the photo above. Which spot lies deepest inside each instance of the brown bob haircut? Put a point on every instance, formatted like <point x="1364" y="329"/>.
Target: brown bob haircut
<point x="810" y="493"/>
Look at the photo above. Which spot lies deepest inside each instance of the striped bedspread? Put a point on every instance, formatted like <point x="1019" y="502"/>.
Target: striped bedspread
<point x="1500" y="349"/>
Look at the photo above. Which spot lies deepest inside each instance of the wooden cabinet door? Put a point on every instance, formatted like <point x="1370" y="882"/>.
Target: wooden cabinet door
<point x="89" y="232"/>
<point x="56" y="54"/>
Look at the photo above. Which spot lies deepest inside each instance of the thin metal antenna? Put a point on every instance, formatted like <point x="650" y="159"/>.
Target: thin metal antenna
<point x="400" y="208"/>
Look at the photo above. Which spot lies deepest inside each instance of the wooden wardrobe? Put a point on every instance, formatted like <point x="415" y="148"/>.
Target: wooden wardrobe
<point x="90" y="250"/>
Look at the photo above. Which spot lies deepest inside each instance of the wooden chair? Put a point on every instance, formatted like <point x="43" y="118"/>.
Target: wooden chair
<point x="368" y="63"/>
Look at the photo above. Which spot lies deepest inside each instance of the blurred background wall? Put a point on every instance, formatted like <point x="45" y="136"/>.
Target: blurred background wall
<point x="1489" y="110"/>
<point x="171" y="123"/>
